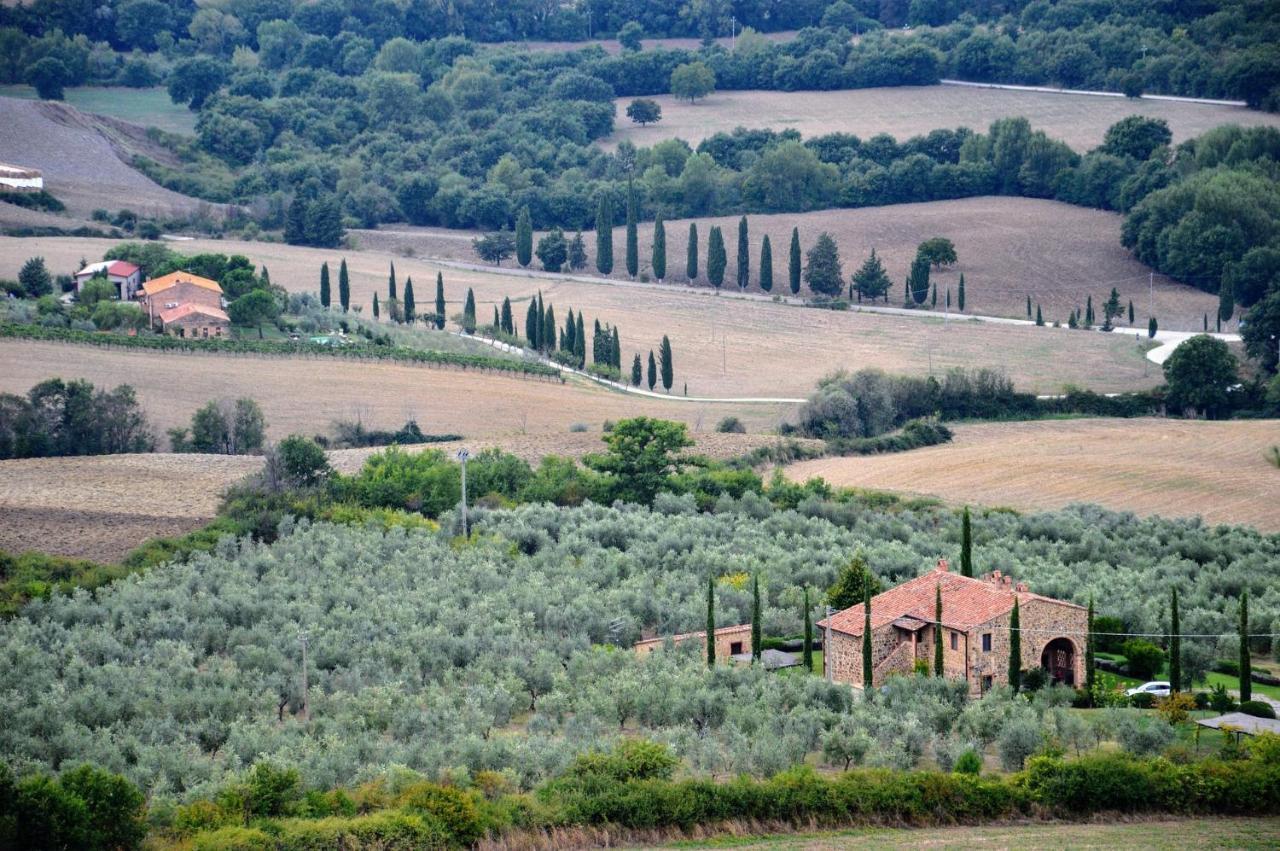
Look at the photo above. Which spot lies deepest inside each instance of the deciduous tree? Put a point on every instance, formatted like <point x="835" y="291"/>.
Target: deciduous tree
<point x="822" y="270"/>
<point x="692" y="81"/>
<point x="644" y="111"/>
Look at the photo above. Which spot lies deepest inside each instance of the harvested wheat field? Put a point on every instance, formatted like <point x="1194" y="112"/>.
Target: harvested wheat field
<point x="307" y="395"/>
<point x="1173" y="468"/>
<point x="902" y="112"/>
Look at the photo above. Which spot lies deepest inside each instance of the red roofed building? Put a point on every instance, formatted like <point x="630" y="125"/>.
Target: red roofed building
<point x="126" y="276"/>
<point x="975" y="631"/>
<point x="186" y="305"/>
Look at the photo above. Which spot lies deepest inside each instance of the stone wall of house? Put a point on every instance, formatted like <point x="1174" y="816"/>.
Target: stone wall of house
<point x="725" y="639"/>
<point x="194" y="325"/>
<point x="953" y="661"/>
<point x="846" y="653"/>
<point x="1041" y="622"/>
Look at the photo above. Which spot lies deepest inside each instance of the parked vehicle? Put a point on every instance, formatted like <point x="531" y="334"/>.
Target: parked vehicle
<point x="1155" y="689"/>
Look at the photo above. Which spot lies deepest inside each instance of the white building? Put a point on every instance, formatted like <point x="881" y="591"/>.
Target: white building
<point x="126" y="276"/>
<point x="15" y="178"/>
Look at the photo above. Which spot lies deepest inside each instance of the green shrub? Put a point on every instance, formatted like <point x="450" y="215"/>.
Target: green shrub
<point x="454" y="810"/>
<point x="969" y="763"/>
<point x="386" y="831"/>
<point x="234" y="839"/>
<point x="1142" y="658"/>
<point x="1258" y="709"/>
<point x="1142" y="700"/>
<point x="85" y="808"/>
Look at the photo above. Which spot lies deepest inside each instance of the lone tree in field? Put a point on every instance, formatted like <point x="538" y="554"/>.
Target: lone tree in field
<point x="939" y="251"/>
<point x="659" y="259"/>
<point x="577" y="252"/>
<point x="642" y="455"/>
<point x="653" y="371"/>
<point x="644" y="111"/>
<point x="757" y="631"/>
<point x="966" y="544"/>
<point x="410" y="308"/>
<point x="668" y="366"/>
<point x="960" y="294"/>
<point x="553" y="251"/>
<point x="524" y="238"/>
<point x="716" y="258"/>
<point x="918" y="280"/>
<point x="766" y="265"/>
<point x="439" y="301"/>
<point x="637" y="371"/>
<point x="604" y="235"/>
<point x="1015" y="649"/>
<point x="937" y="632"/>
<point x="1199" y="374"/>
<point x="711" y="618"/>
<point x="870" y="281"/>
<point x="793" y="264"/>
<point x="1175" y="643"/>
<point x="495" y="246"/>
<point x="692" y="81"/>
<point x="822" y="267"/>
<point x="1246" y="664"/>
<point x="744" y="255"/>
<point x="691" y="254"/>
<point x="344" y="286"/>
<point x="469" y="313"/>
<point x="324" y="285"/>
<point x="633" y="238"/>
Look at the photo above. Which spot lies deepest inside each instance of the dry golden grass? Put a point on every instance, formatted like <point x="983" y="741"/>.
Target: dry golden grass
<point x="1079" y="120"/>
<point x="1173" y="468"/>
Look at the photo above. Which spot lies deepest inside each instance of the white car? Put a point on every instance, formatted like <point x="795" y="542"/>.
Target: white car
<point x="1156" y="689"/>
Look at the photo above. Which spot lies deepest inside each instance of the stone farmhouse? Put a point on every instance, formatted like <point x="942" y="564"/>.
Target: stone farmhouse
<point x="730" y="641"/>
<point x="126" y="276"/>
<point x="186" y="305"/>
<point x="975" y="631"/>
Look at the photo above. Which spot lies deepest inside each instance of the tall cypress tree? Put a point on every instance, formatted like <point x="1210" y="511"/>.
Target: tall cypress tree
<point x="469" y="313"/>
<point x="1039" y="316"/>
<point x="391" y="283"/>
<point x="616" y="350"/>
<point x="653" y="371"/>
<point x="808" y="633"/>
<point x="766" y="265"/>
<point x="960" y="295"/>
<point x="1226" y="300"/>
<point x="497" y="320"/>
<point x="1130" y="311"/>
<point x="794" y="267"/>
<point x="410" y="308"/>
<point x="439" y="301"/>
<point x="324" y="285"/>
<point x="633" y="239"/>
<point x="716" y="257"/>
<point x="1090" y="646"/>
<point x="548" y="338"/>
<point x="375" y="306"/>
<point x="668" y="368"/>
<point x="506" y="321"/>
<point x="1028" y="306"/>
<point x="344" y="286"/>
<point x="1088" y="311"/>
<point x="567" y="342"/>
<point x="659" y="249"/>
<point x="937" y="632"/>
<point x="757" y="633"/>
<point x="744" y="255"/>
<point x="1015" y="648"/>
<point x="532" y="327"/>
<point x="524" y="237"/>
<point x="1246" y="664"/>
<point x="868" y="670"/>
<point x="580" y="344"/>
<point x="637" y="371"/>
<point x="604" y="235"/>
<point x="966" y="545"/>
<point x="711" y="619"/>
<point x="1175" y="644"/>
<point x="933" y="298"/>
<point x="691" y="255"/>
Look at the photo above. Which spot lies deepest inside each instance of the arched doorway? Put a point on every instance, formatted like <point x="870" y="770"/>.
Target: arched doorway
<point x="1059" y="661"/>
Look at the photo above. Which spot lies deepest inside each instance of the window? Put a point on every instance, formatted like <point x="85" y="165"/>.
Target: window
<point x="955" y="641"/>
<point x="735" y="648"/>
<point x="986" y="642"/>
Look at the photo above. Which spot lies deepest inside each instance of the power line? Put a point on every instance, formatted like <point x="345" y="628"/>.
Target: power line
<point x="1132" y="634"/>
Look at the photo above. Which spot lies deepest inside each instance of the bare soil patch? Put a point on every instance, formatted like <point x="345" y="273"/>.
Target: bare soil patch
<point x="1078" y="120"/>
<point x="1173" y="468"/>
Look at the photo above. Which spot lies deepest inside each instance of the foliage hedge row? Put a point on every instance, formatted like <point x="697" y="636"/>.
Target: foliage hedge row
<point x="401" y="354"/>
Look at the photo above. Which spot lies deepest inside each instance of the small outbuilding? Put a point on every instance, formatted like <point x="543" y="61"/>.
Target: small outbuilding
<point x="126" y="277"/>
<point x="730" y="641"/>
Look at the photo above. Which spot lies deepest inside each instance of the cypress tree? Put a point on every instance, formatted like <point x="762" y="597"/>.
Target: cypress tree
<point x="948" y="298"/>
<point x="567" y="342"/>
<point x="1226" y="299"/>
<point x="1152" y="327"/>
<point x="411" y="309"/>
<point x="580" y="344"/>
<point x="966" y="545"/>
<point x="439" y="301"/>
<point x="1039" y="315"/>
<point x="616" y="350"/>
<point x="653" y="371"/>
<point x="766" y="265"/>
<point x="1028" y="307"/>
<point x="691" y="257"/>
<point x="1088" y="312"/>
<point x="548" y="338"/>
<point x="757" y="635"/>
<point x="808" y="632"/>
<point x="633" y="242"/>
<point x="524" y="237"/>
<point x="867" y="669"/>
<point x="391" y="283"/>
<point x="744" y="255"/>
<point x="937" y="632"/>
<point x="532" y="328"/>
<point x="716" y="257"/>
<point x="1130" y="311"/>
<point x="344" y="286"/>
<point x="933" y="295"/>
<point x="375" y="305"/>
<point x="668" y="368"/>
<point x="1246" y="665"/>
<point x="604" y="235"/>
<point x="507" y="321"/>
<point x="469" y="313"/>
<point x="1206" y="322"/>
<point x="324" y="285"/>
<point x="1090" y="644"/>
<point x="637" y="371"/>
<point x="659" y="249"/>
<point x="711" y="618"/>
<point x="1175" y="644"/>
<point x="960" y="295"/>
<point x="794" y="263"/>
<point x="266" y="276"/>
<point x="918" y="281"/>
<point x="497" y="320"/>
<point x="1015" y="649"/>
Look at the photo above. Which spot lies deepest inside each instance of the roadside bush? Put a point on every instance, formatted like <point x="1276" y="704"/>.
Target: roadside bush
<point x="453" y="809"/>
<point x="1142" y="700"/>
<point x="1258" y="709"/>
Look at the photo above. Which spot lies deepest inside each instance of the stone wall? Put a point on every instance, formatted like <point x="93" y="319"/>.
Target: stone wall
<point x="726" y="637"/>
<point x="1041" y="621"/>
<point x="846" y="652"/>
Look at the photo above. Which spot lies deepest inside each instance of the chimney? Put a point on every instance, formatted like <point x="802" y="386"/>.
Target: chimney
<point x="995" y="577"/>
<point x="942" y="565"/>
<point x="1022" y="587"/>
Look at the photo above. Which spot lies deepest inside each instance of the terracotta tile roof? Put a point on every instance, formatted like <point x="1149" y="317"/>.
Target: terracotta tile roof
<point x="182" y="310"/>
<point x="966" y="602"/>
<point x="164" y="282"/>
<point x="123" y="268"/>
<point x="702" y="633"/>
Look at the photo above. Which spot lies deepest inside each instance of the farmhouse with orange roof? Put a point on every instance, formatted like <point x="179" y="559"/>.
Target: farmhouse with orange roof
<point x="974" y="626"/>
<point x="186" y="305"/>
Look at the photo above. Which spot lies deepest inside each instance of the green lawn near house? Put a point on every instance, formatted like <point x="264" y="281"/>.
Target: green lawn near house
<point x="1213" y="678"/>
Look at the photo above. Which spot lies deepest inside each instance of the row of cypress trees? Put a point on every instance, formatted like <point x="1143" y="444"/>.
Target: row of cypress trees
<point x="396" y="309"/>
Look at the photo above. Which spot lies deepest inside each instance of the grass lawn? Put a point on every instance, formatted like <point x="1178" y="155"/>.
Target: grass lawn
<point x="147" y="107"/>
<point x="1211" y="679"/>
<point x="1169" y="833"/>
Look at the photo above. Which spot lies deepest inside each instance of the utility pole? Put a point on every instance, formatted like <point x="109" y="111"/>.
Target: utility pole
<point x="826" y="647"/>
<point x="462" y="456"/>
<point x="306" y="697"/>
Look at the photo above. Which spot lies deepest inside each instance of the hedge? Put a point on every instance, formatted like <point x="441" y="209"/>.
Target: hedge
<point x="398" y="354"/>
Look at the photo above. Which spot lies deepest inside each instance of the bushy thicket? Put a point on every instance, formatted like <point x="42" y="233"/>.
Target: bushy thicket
<point x="59" y="418"/>
<point x="189" y="673"/>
